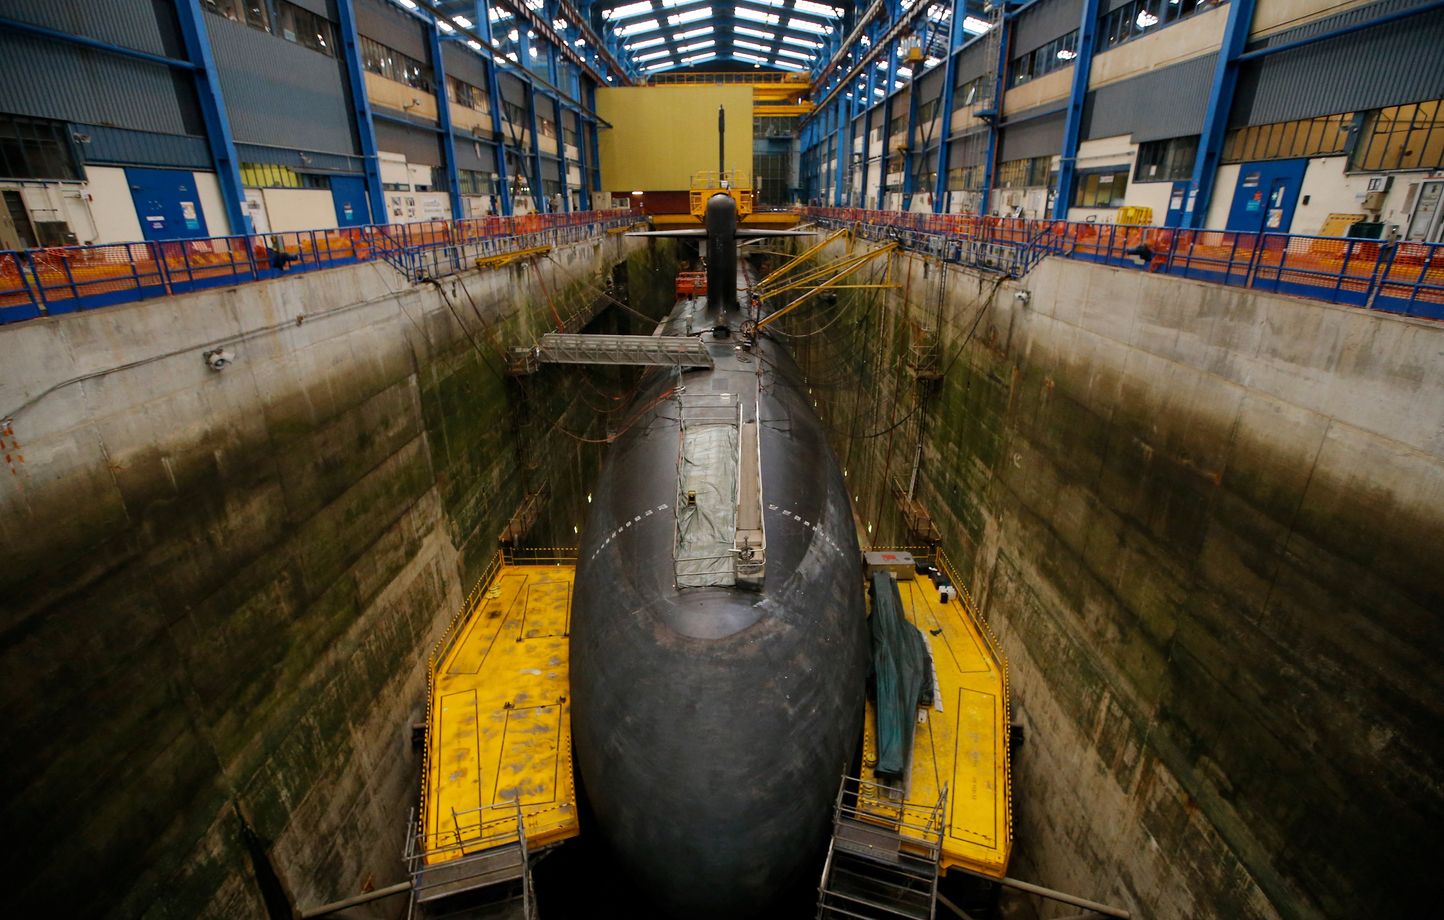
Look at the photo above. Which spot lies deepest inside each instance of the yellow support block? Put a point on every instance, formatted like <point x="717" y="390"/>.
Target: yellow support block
<point x="500" y="720"/>
<point x="960" y="744"/>
<point x="503" y="259"/>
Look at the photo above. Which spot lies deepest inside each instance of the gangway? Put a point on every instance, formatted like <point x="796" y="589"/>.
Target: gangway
<point x="881" y="867"/>
<point x="647" y="350"/>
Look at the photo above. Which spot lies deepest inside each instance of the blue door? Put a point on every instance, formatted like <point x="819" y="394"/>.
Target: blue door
<point x="167" y="203"/>
<point x="1178" y="204"/>
<point x="1266" y="195"/>
<point x="349" y="195"/>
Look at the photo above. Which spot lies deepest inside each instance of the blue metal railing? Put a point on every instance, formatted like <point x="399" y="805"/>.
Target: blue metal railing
<point x="62" y="279"/>
<point x="1396" y="277"/>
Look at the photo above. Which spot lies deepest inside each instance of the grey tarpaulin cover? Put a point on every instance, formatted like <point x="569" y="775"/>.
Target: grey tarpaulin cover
<point x="902" y="676"/>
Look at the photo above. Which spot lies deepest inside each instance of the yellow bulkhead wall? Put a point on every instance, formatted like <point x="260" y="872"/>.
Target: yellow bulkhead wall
<point x="661" y="135"/>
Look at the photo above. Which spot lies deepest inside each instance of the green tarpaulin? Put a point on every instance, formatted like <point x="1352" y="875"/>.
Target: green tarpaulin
<point x="902" y="676"/>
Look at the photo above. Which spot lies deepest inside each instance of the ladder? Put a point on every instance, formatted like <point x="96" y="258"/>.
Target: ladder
<point x="485" y="869"/>
<point x="879" y="867"/>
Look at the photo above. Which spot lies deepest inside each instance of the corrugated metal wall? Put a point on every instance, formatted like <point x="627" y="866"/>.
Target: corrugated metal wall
<point x="1034" y="138"/>
<point x="281" y="93"/>
<point x="385" y="23"/>
<point x="1392" y="64"/>
<point x="463" y="64"/>
<point x="144" y="26"/>
<point x="419" y="146"/>
<point x="976" y="60"/>
<point x="1158" y="104"/>
<point x="969" y="149"/>
<point x="48" y="79"/>
<point x="477" y="155"/>
<point x="511" y="88"/>
<point x="1044" y="21"/>
<point x="138" y="148"/>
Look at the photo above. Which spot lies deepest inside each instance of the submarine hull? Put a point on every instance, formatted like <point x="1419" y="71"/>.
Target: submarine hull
<point x="712" y="725"/>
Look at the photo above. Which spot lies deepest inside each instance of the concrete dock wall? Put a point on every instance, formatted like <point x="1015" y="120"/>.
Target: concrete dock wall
<point x="219" y="588"/>
<point x="1207" y="525"/>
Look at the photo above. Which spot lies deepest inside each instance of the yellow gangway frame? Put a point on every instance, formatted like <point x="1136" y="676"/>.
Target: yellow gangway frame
<point x="961" y="745"/>
<point x="498" y="720"/>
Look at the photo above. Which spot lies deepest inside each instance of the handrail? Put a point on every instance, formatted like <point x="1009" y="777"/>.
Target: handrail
<point x="61" y="279"/>
<point x="1386" y="275"/>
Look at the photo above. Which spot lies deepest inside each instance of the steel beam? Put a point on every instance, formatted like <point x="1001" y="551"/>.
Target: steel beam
<point x="493" y="92"/>
<point x="361" y="108"/>
<point x="1215" y="119"/>
<point x="443" y="120"/>
<point x="1073" y="119"/>
<point x="1000" y="85"/>
<point x="212" y="103"/>
<point x="27" y="28"/>
<point x="957" y="37"/>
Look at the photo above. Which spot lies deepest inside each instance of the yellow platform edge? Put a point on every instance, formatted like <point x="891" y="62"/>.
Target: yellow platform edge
<point x="498" y="714"/>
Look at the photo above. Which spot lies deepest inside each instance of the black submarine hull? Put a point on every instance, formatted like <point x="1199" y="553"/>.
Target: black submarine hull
<point x="711" y="726"/>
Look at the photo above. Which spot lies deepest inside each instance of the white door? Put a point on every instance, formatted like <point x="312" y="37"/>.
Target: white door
<point x="1427" y="223"/>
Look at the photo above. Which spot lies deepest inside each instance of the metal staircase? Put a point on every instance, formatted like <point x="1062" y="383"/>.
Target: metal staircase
<point x="479" y="868"/>
<point x="879" y="866"/>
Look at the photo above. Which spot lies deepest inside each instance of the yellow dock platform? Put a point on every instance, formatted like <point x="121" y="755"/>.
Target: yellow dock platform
<point x="498" y="727"/>
<point x="961" y="743"/>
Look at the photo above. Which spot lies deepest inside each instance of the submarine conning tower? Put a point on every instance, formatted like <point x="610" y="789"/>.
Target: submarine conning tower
<point x="721" y="223"/>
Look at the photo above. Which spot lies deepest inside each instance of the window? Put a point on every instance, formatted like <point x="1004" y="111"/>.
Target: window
<point x="464" y="94"/>
<point x="393" y="65"/>
<point x="971" y="92"/>
<point x="1103" y="189"/>
<point x="965" y="179"/>
<point x="1057" y="54"/>
<point x="37" y="148"/>
<point x="515" y="116"/>
<point x="1402" y="137"/>
<point x="472" y="182"/>
<point x="1311" y="137"/>
<point x="252" y="12"/>
<point x="1144" y="17"/>
<point x="270" y="175"/>
<point x="546" y="126"/>
<point x="1166" y="161"/>
<point x="928" y="110"/>
<point x="305" y="28"/>
<point x="1030" y="172"/>
<point x="773" y="126"/>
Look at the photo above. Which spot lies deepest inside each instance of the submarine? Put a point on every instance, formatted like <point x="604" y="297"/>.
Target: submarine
<point x="719" y="640"/>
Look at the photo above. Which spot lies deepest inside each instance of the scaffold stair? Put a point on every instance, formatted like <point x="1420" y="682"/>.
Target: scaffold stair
<point x="873" y="871"/>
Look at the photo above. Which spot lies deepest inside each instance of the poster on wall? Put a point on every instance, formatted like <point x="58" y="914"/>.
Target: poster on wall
<point x="409" y="207"/>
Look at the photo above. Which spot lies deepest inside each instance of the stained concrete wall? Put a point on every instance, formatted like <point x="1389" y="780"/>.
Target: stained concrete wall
<point x="1207" y="526"/>
<point x="219" y="589"/>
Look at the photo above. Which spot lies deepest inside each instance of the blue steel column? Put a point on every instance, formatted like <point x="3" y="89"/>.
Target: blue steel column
<point x="213" y="112"/>
<point x="443" y="119"/>
<point x="956" y="39"/>
<point x="562" y="155"/>
<point x="882" y="163"/>
<point x="911" y="139"/>
<point x="995" y="116"/>
<point x="839" y="159"/>
<point x="867" y="134"/>
<point x="361" y="106"/>
<point x="1073" y="121"/>
<point x="583" y="170"/>
<point x="538" y="196"/>
<point x="493" y="92"/>
<point x="1215" y="120"/>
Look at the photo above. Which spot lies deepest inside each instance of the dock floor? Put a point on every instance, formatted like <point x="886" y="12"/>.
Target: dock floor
<point x="961" y="743"/>
<point x="499" y="719"/>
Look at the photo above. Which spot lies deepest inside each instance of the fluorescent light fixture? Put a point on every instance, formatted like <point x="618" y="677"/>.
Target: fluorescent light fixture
<point x="444" y="26"/>
<point x="882" y="65"/>
<point x="904" y="71"/>
<point x="631" y="9"/>
<point x="802" y="25"/>
<point x="697" y="46"/>
<point x="559" y="24"/>
<point x="407" y="3"/>
<point x="678" y="19"/>
<point x="800" y="42"/>
<point x="932" y="61"/>
<point x="580" y="43"/>
<point x="817" y="9"/>
<point x="511" y="56"/>
<point x="786" y="65"/>
<point x="771" y="19"/>
<point x="514" y="35"/>
<point x="658" y="66"/>
<point x="707" y="56"/>
<point x="644" y="43"/>
<point x="652" y="55"/>
<point x="531" y="51"/>
<point x="751" y="45"/>
<point x="750" y="57"/>
<point x="788" y="52"/>
<point x="692" y="33"/>
<point x="1146" y="19"/>
<point x="879" y="92"/>
<point x="498" y="15"/>
<point x="473" y="45"/>
<point x="461" y="21"/>
<point x="637" y="28"/>
<point x="755" y="33"/>
<point x="1066" y="54"/>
